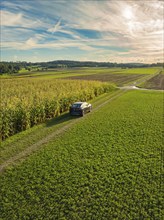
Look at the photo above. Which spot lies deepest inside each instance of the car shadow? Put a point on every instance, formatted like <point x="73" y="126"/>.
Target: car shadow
<point x="60" y="119"/>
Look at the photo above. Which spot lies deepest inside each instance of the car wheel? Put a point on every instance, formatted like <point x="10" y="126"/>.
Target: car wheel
<point x="82" y="114"/>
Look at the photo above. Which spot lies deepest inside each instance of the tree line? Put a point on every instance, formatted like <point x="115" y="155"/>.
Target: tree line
<point x="9" y="68"/>
<point x="14" y="67"/>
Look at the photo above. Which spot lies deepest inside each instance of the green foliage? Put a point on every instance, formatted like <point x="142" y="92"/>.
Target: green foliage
<point x="108" y="166"/>
<point x="27" y="102"/>
<point x="142" y="70"/>
<point x="9" y="68"/>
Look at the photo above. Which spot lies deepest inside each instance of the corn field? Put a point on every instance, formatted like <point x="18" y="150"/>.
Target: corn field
<point x="27" y="102"/>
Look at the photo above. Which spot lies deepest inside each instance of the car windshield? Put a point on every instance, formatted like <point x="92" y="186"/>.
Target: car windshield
<point x="76" y="105"/>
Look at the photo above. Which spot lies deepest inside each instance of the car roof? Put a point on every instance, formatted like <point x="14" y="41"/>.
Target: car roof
<point x="78" y="103"/>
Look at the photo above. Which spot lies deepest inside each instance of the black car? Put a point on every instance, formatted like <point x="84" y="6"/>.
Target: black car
<point x="80" y="108"/>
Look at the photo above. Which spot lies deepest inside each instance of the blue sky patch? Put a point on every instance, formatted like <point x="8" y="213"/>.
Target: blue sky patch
<point x="92" y="34"/>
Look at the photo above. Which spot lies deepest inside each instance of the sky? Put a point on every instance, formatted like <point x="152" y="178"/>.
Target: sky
<point x="119" y="31"/>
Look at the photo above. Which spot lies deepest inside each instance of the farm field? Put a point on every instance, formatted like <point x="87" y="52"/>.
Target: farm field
<point x="116" y="75"/>
<point x="63" y="73"/>
<point x="107" y="166"/>
<point x="156" y="82"/>
<point x="27" y="102"/>
<point x="120" y="77"/>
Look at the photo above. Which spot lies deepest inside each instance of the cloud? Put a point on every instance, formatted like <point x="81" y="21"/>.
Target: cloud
<point x="10" y="19"/>
<point x="134" y="25"/>
<point x="56" y="28"/>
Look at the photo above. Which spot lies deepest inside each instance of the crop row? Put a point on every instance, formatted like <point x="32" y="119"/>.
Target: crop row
<point x="26" y="103"/>
<point x="108" y="166"/>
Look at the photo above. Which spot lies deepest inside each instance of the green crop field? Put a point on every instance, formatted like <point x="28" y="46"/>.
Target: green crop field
<point x="27" y="102"/>
<point x="60" y="73"/>
<point x="142" y="70"/>
<point x="107" y="166"/>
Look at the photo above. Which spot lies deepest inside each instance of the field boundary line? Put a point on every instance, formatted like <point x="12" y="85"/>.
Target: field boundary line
<point x="34" y="147"/>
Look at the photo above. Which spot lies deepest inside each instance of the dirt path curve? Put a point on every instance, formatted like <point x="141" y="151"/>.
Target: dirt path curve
<point x="138" y="88"/>
<point x="22" y="155"/>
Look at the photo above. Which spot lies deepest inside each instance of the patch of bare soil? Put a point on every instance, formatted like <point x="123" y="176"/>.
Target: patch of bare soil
<point x="156" y="82"/>
<point x="118" y="79"/>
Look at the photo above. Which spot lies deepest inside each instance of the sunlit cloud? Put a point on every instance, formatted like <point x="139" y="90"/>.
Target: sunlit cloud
<point x="18" y="20"/>
<point x="10" y="19"/>
<point x="116" y="31"/>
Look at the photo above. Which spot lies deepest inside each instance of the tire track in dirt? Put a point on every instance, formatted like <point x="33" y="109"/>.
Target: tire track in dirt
<point x="33" y="148"/>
